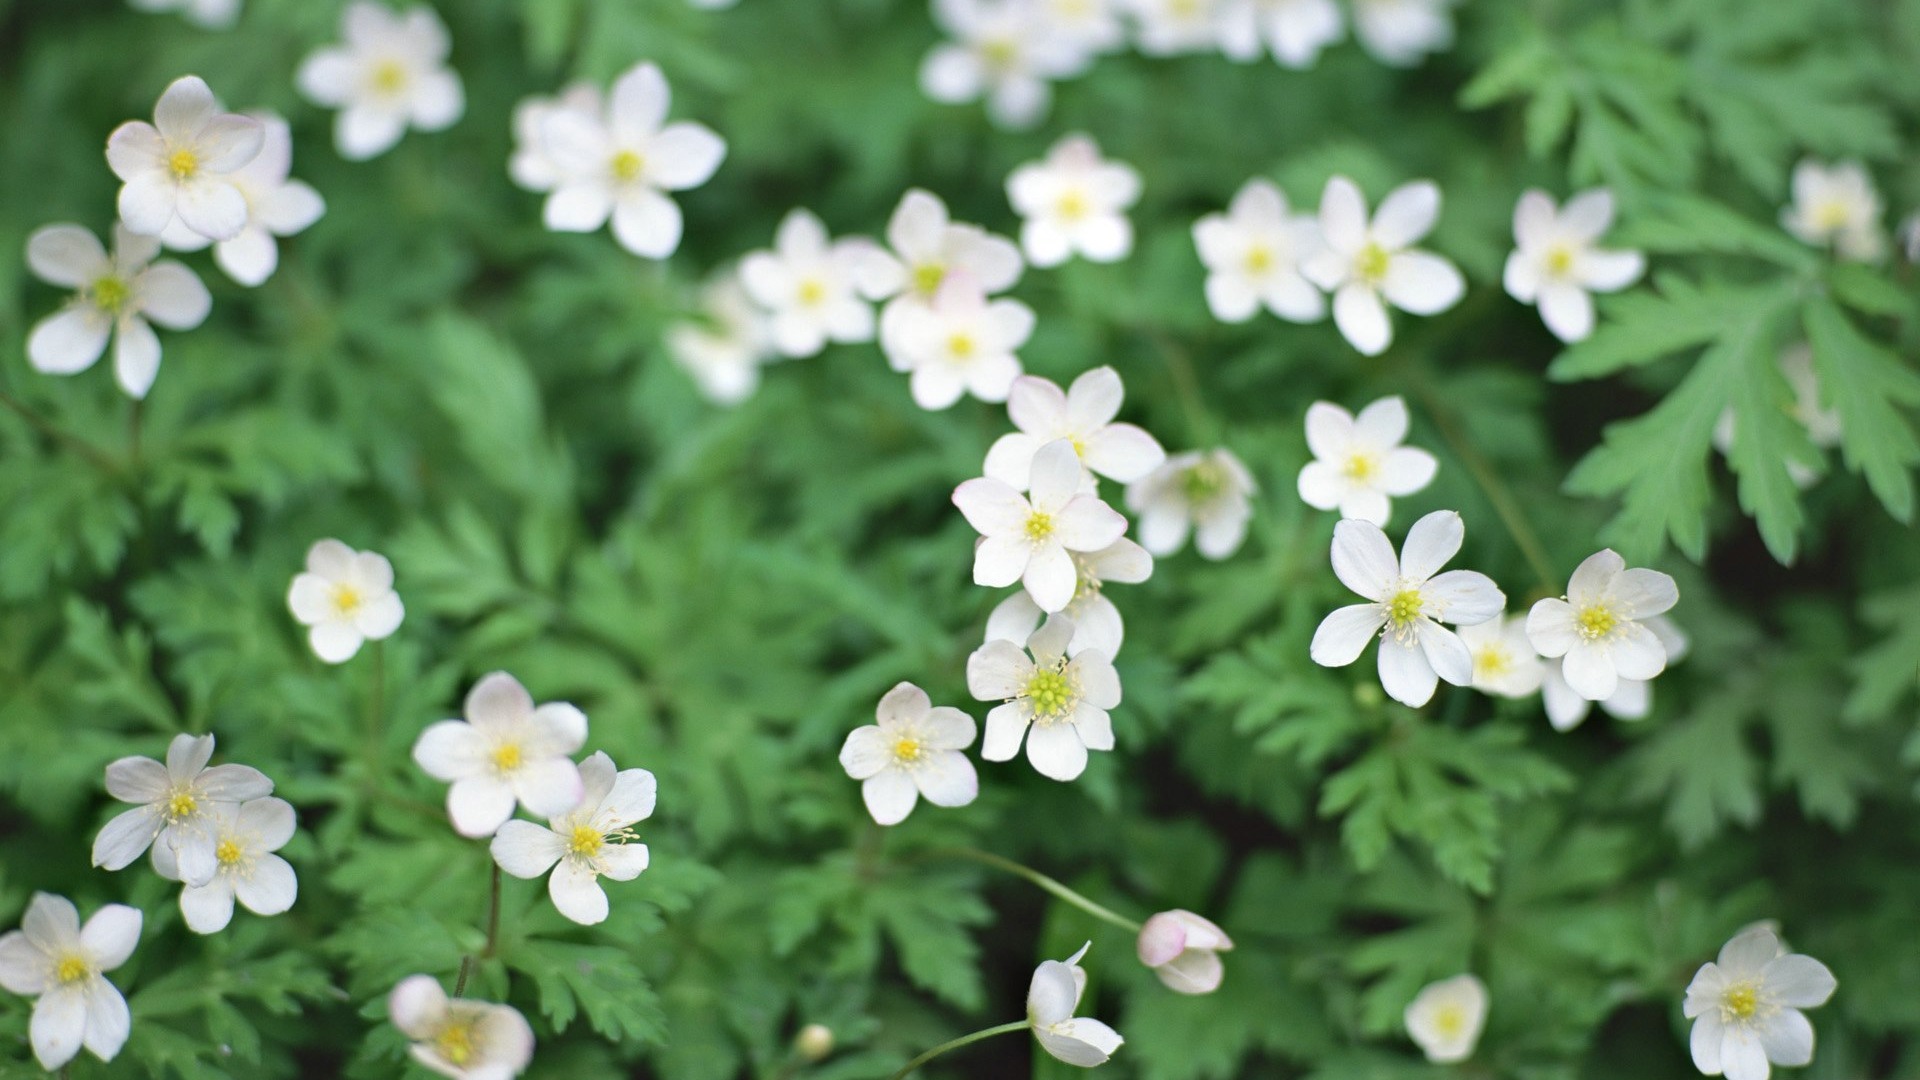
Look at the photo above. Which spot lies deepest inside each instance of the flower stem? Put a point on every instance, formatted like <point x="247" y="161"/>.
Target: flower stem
<point x="133" y="434"/>
<point x="1497" y="493"/>
<point x="1044" y="882"/>
<point x="493" y="933"/>
<point x="376" y="700"/>
<point x="52" y="431"/>
<point x="1199" y="422"/>
<point x="1016" y="1025"/>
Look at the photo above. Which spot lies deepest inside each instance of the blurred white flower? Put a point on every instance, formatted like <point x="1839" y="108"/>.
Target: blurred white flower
<point x="114" y="295"/>
<point x="929" y="251"/>
<point x="1369" y="263"/>
<point x="210" y="14"/>
<point x="276" y="206"/>
<point x="1052" y="998"/>
<point x="174" y="808"/>
<point x="1836" y="206"/>
<point x="1184" y="950"/>
<point x="1910" y="237"/>
<point x="182" y="163"/>
<point x="532" y="165"/>
<point x="812" y="286"/>
<point x="1504" y="663"/>
<point x="245" y="837"/>
<point x="1598" y="626"/>
<point x="1204" y="492"/>
<point x="1632" y="699"/>
<point x="1745" y="1007"/>
<point x="1822" y="423"/>
<point x="347" y="597"/>
<point x="1401" y="33"/>
<point x="1003" y="50"/>
<point x="1359" y="464"/>
<point x="1096" y="622"/>
<point x="1408" y="599"/>
<point x="1074" y="201"/>
<point x="506" y="750"/>
<point x="457" y="1037"/>
<point x="1445" y="1018"/>
<point x="1093" y="26"/>
<point x="1253" y="254"/>
<point x="1172" y="27"/>
<point x="1082" y="415"/>
<point x="61" y="963"/>
<point x="1063" y="698"/>
<point x="389" y="74"/>
<point x="1556" y="265"/>
<point x="914" y="749"/>
<point x="962" y="343"/>
<point x="1293" y="30"/>
<point x="724" y="350"/>
<point x="593" y="840"/>
<point x="1027" y="538"/>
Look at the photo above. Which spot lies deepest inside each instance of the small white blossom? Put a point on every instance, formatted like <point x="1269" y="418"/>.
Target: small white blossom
<point x="592" y="841"/>
<point x="1408" y="599"/>
<point x="1745" y="1007"/>
<point x="182" y="164"/>
<point x="1184" y="950"/>
<point x="1172" y="27"/>
<point x="1028" y="537"/>
<point x="1359" y="464"/>
<point x="1052" y="998"/>
<point x="725" y="349"/>
<point x="1091" y="26"/>
<point x="962" y="344"/>
<point x="1253" y="254"/>
<point x="914" y="749"/>
<point x="174" y="809"/>
<point x="1401" y="33"/>
<point x="1082" y="415"/>
<point x="1096" y="622"/>
<point x="458" y="1037"/>
<point x="1368" y="263"/>
<point x="1003" y="50"/>
<point x="506" y="750"/>
<point x="276" y="206"/>
<point x="1293" y="30"/>
<point x="1504" y="663"/>
<point x="1632" y="699"/>
<point x="1075" y="201"/>
<point x="115" y="296"/>
<point x="347" y="597"/>
<point x="389" y="74"/>
<point x="245" y="837"/>
<point x="210" y="14"/>
<point x="62" y="964"/>
<point x="1445" y="1018"/>
<point x="1063" y="698"/>
<point x="1203" y="492"/>
<point x="533" y="166"/>
<point x="1556" y="265"/>
<point x="1822" y="423"/>
<point x="812" y="286"/>
<point x="1598" y="625"/>
<point x="928" y="251"/>
<point x="1836" y="206"/>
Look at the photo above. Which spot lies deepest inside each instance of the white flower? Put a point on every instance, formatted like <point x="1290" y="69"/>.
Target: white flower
<point x="1365" y="261"/>
<point x="1294" y="30"/>
<point x="1632" y="699"/>
<point x="1027" y="538"/>
<point x="276" y="206"/>
<point x="115" y="295"/>
<point x="1082" y="415"/>
<point x="1063" y="698"/>
<point x="1074" y="201"/>
<point x="1402" y="32"/>
<point x="1822" y="423"/>
<point x="595" y="839"/>
<point x="1910" y="237"/>
<point x="812" y="286"/>
<point x="1205" y="492"/>
<point x="211" y="14"/>
<point x="623" y="166"/>
<point x="1003" y="50"/>
<point x="390" y="74"/>
<point x="914" y="750"/>
<point x="1170" y="27"/>
<point x="1408" y="600"/>
<point x="1836" y="207"/>
<point x="1445" y="1018"/>
<point x="505" y="750"/>
<point x="1093" y="26"/>
<point x="532" y="165"/>
<point x="1504" y="663"/>
<point x="961" y="344"/>
<point x="245" y="837"/>
<point x="1555" y="264"/>
<point x="1597" y="625"/>
<point x="725" y="350"/>
<point x="1253" y="254"/>
<point x="1359" y="462"/>
<point x="54" y="958"/>
<point x="175" y="808"/>
<point x="1746" y="1007"/>
<point x="929" y="250"/>
<point x="347" y="597"/>
<point x="182" y="163"/>
<point x="1184" y="950"/>
<point x="457" y="1037"/>
<point x="1051" y="999"/>
<point x="1096" y="622"/>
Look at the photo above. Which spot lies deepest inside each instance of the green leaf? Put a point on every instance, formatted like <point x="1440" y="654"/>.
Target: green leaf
<point x="1868" y="386"/>
<point x="597" y="981"/>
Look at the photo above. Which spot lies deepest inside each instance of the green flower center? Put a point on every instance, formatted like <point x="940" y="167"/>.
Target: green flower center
<point x="927" y="278"/>
<point x="626" y="166"/>
<point x="1203" y="482"/>
<point x="389" y="77"/>
<point x="110" y="294"/>
<point x="1405" y="607"/>
<point x="1050" y="694"/>
<point x="1371" y="264"/>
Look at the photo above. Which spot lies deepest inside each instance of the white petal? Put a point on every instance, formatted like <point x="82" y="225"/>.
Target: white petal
<point x="1567" y="310"/>
<point x="249" y="258"/>
<point x="1432" y="541"/>
<point x="1609" y="271"/>
<point x="146" y="203"/>
<point x="889" y="795"/>
<point x="1006" y="726"/>
<point x="997" y="670"/>
<point x="579" y="206"/>
<point x="992" y="507"/>
<point x="1056" y="751"/>
<point x="1593" y="578"/>
<point x="110" y="936"/>
<point x="1742" y="1056"/>
<point x="1639" y="593"/>
<point x="58" y="1026"/>
<point x="684" y="156"/>
<point x="647" y="223"/>
<point x="1446" y="654"/>
<point x="1705" y="1042"/>
<point x="947" y="778"/>
<point x="66" y="255"/>
<point x="1001" y="560"/>
<point x="361" y="132"/>
<point x="866" y="752"/>
<point x="526" y="850"/>
<point x="1552" y="627"/>
<point x="1343" y="216"/>
<point x="1588" y="214"/>
<point x="639" y="100"/>
<point x="1406" y="214"/>
<point x="1800" y="982"/>
<point x="1052" y="994"/>
<point x="1405" y="673"/>
<point x="69" y="340"/>
<point x="173" y="296"/>
<point x="417" y="1006"/>
<point x="548" y="787"/>
<point x="108" y="1022"/>
<point x="1124" y="453"/>
<point x="1590" y="671"/>
<point x="1465" y="597"/>
<point x="207" y="908"/>
<point x="438" y="100"/>
<point x="213" y="208"/>
<point x="1079" y="1041"/>
<point x="328" y="77"/>
<point x="1343" y="635"/>
<point x="1636" y="653"/>
<point x="1362" y="318"/>
<point x="1406" y="470"/>
<point x="479" y="805"/>
<point x="1363" y="559"/>
<point x="577" y="894"/>
<point x="136" y="779"/>
<point x="1422" y="283"/>
<point x="1056" y="476"/>
<point x="1049" y="577"/>
<point x="136" y="357"/>
<point x="270" y="889"/>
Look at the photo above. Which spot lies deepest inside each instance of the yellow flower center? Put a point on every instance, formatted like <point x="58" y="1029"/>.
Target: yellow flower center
<point x="71" y="969"/>
<point x="183" y="164"/>
<point x="1405" y="607"/>
<point x="1039" y="526"/>
<point x="1371" y="264"/>
<point x="812" y="292"/>
<point x="927" y="278"/>
<point x="1259" y="259"/>
<point x="110" y="294"/>
<point x="1595" y="622"/>
<point x="1000" y="54"/>
<point x="181" y="805"/>
<point x="961" y="346"/>
<point x="1832" y="214"/>
<point x="1203" y="481"/>
<point x="1492" y="662"/>
<point x="389" y="77"/>
<point x="1073" y="205"/>
<point x="347" y="599"/>
<point x="455" y="1042"/>
<point x="908" y="750"/>
<point x="1450" y="1021"/>
<point x="1050" y="694"/>
<point x="586" y="841"/>
<point x="506" y="757"/>
<point x="1559" y="260"/>
<point x="1360" y="467"/>
<point x="626" y="166"/>
<point x="228" y="852"/>
<point x="1741" y="1002"/>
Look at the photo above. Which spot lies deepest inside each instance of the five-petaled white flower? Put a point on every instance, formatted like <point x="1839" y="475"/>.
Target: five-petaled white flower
<point x="1028" y="538"/>
<point x="915" y="749"/>
<point x="1822" y="422"/>
<point x="1597" y="626"/>
<point x="1368" y="263"/>
<point x="211" y="14"/>
<point x="1445" y="1018"/>
<point x="1632" y="699"/>
<point x="115" y="295"/>
<point x="182" y="164"/>
<point x="1293" y="30"/>
<point x="1063" y="698"/>
<point x="622" y="166"/>
<point x="505" y="750"/>
<point x="1082" y="415"/>
<point x="175" y="808"/>
<point x="459" y="1037"/>
<point x="812" y="286"/>
<point x="1359" y="463"/>
<point x="54" y="958"/>
<point x="595" y="839"/>
<point x="347" y="597"/>
<point x="1184" y="950"/>
<point x="1001" y="50"/>
<point x="1745" y="1007"/>
<point x="1172" y="27"/>
<point x="1096" y="622"/>
<point x="1408" y="598"/>
<point x="1074" y="201"/>
<point x="390" y="74"/>
<point x="1836" y="206"/>
<point x="962" y="343"/>
<point x="245" y="837"/>
<point x="276" y="206"/>
<point x="929" y="250"/>
<point x="532" y="165"/>
<point x="1504" y="663"/>
<point x="1556" y="265"/>
<point x="1401" y="33"/>
<point x="1051" y="999"/>
<point x="725" y="349"/>
<point x="1203" y="492"/>
<point x="1253" y="254"/>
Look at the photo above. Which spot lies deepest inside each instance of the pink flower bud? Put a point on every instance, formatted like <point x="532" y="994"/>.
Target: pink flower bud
<point x="1184" y="950"/>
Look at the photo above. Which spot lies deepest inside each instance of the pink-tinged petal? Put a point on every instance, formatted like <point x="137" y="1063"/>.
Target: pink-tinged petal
<point x="1343" y="216"/>
<point x="1446" y="654"/>
<point x="1057" y="475"/>
<point x="1552" y="627"/>
<point x="136" y="779"/>
<point x="866" y="752"/>
<point x="270" y="889"/>
<point x="1199" y="971"/>
<point x="1567" y="310"/>
<point x="184" y="109"/>
<point x="1636" y="653"/>
<point x="1006" y="726"/>
<point x="1080" y="1041"/>
<point x="1124" y="453"/>
<point x="1343" y="635"/>
<point x="947" y="728"/>
<point x="135" y="149"/>
<point x="173" y="296"/>
<point x="70" y="340"/>
<point x="526" y="850"/>
<point x="67" y="255"/>
<point x="1589" y="670"/>
<point x="1799" y="982"/>
<point x="1407" y="470"/>
<point x="233" y="783"/>
<point x="903" y="704"/>
<point x="1010" y="458"/>
<point x="647" y="223"/>
<point x="548" y="787"/>
<point x="1406" y="214"/>
<point x="479" y="805"/>
<point x="1049" y="577"/>
<point x="1422" y="283"/>
<point x="450" y="750"/>
<point x="1362" y="318"/>
<point x="1056" y="752"/>
<point x="59" y="1025"/>
<point x="1464" y="597"/>
<point x="947" y="779"/>
<point x="1363" y="559"/>
<point x="418" y="1007"/>
<point x="1432" y="541"/>
<point x="684" y="156"/>
<point x="146" y="203"/>
<point x="993" y="507"/>
<point x="1639" y="594"/>
<point x="1162" y="937"/>
<point x="1405" y="673"/>
<point x="999" y="561"/>
<point x="1588" y="214"/>
<point x="362" y="132"/>
<point x="997" y="670"/>
<point x="889" y="796"/>
<point x="1592" y="581"/>
<point x="1094" y="399"/>
<point x="1609" y="271"/>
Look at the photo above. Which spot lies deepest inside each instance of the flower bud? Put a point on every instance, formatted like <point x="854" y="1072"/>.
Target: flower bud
<point x="814" y="1042"/>
<point x="1184" y="950"/>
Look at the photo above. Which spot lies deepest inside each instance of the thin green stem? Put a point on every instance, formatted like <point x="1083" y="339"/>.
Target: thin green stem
<point x="133" y="433"/>
<point x="376" y="701"/>
<point x="1186" y="386"/>
<point x="493" y="933"/>
<point x="964" y="1040"/>
<point x="1043" y="881"/>
<point x="52" y="431"/>
<point x="1497" y="492"/>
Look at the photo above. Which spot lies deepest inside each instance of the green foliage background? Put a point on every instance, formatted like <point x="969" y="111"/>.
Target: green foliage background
<point x="432" y="375"/>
